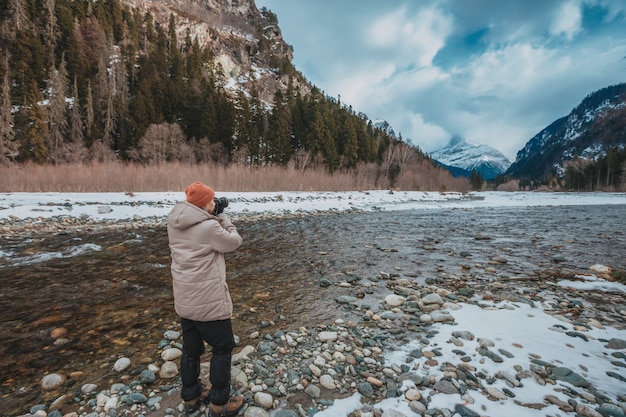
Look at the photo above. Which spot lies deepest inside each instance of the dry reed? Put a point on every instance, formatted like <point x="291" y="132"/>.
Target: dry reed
<point x="123" y="177"/>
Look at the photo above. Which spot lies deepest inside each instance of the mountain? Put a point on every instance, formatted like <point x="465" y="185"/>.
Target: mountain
<point x="593" y="127"/>
<point x="166" y="81"/>
<point x="245" y="42"/>
<point x="462" y="157"/>
<point x="384" y="126"/>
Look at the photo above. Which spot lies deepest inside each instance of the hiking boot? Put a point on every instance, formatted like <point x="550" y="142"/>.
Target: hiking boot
<point x="231" y="408"/>
<point x="192" y="406"/>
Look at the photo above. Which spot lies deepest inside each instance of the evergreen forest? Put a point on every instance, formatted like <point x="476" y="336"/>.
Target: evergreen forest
<point x="90" y="80"/>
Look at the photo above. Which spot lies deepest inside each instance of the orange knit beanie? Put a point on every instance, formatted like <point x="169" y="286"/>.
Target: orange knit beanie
<point x="199" y="194"/>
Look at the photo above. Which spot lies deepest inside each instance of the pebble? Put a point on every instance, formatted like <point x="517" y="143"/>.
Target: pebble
<point x="52" y="381"/>
<point x="121" y="364"/>
<point x="337" y="359"/>
<point x="264" y="400"/>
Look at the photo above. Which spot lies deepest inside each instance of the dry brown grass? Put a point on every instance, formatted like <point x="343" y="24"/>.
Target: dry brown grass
<point x="122" y="177"/>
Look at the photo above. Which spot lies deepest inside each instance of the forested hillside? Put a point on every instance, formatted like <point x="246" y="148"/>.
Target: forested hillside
<point x="101" y="81"/>
<point x="583" y="151"/>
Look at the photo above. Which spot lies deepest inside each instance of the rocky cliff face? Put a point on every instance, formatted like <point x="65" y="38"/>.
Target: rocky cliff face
<point x="247" y="44"/>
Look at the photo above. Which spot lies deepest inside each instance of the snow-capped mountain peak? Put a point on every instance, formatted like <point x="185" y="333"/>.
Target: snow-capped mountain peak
<point x="459" y="153"/>
<point x="384" y="126"/>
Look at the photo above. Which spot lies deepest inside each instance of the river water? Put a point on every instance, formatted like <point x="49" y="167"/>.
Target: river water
<point x="110" y="289"/>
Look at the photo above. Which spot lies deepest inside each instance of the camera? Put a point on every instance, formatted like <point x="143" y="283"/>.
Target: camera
<point x="220" y="204"/>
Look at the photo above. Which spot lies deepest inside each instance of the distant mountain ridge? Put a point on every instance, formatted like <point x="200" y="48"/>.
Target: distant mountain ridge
<point x="462" y="157"/>
<point x="597" y="124"/>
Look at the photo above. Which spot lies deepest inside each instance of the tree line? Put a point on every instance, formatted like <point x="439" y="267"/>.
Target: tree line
<point x="90" y="80"/>
<point x="606" y="173"/>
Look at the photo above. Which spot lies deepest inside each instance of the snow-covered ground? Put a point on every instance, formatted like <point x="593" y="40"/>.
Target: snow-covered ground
<point x="523" y="329"/>
<point x="121" y="206"/>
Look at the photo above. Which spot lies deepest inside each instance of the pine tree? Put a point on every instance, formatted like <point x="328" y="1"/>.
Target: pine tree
<point x="18" y="17"/>
<point x="78" y="150"/>
<point x="51" y="26"/>
<point x="8" y="145"/>
<point x="34" y="129"/>
<point x="57" y="114"/>
<point x="279" y="132"/>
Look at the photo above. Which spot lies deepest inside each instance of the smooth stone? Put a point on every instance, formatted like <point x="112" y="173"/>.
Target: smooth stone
<point x="365" y="389"/>
<point x="567" y="375"/>
<point x="586" y="411"/>
<point x="88" y="388"/>
<point x="346" y="299"/>
<point x="312" y="391"/>
<point x="327" y="336"/>
<point x="171" y="335"/>
<point x="616" y="344"/>
<point x="611" y="410"/>
<point x="168" y="370"/>
<point x="286" y="413"/>
<point x="446" y="387"/>
<point x="147" y="377"/>
<point x="432" y="298"/>
<point x="395" y="300"/>
<point x="171" y="354"/>
<point x="264" y="400"/>
<point x="327" y="381"/>
<point x="412" y="394"/>
<point x="464" y="411"/>
<point x="393" y="413"/>
<point x="121" y="364"/>
<point x="52" y="381"/>
<point x="255" y="412"/>
<point x="417" y="407"/>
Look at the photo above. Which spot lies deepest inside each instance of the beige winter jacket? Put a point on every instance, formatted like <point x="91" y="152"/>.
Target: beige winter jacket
<point x="198" y="241"/>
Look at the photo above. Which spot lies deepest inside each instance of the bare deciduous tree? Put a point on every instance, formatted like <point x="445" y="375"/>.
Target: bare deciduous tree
<point x="301" y="159"/>
<point x="165" y="142"/>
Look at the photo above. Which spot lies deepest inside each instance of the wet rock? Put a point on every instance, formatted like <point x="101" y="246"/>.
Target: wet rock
<point x="147" y="377"/>
<point x="324" y="283"/>
<point x="52" y="381"/>
<point x="346" y="299"/>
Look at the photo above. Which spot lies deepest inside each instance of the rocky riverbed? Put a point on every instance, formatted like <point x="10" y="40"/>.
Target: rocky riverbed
<point x="364" y="312"/>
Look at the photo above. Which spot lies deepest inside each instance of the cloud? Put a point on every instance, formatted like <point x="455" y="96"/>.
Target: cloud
<point x="568" y="21"/>
<point x="494" y="72"/>
<point x="415" y="37"/>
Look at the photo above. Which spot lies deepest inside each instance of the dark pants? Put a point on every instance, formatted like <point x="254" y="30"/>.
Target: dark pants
<point x="218" y="334"/>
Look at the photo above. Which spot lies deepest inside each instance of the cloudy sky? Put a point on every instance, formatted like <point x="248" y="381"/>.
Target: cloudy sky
<point x="494" y="72"/>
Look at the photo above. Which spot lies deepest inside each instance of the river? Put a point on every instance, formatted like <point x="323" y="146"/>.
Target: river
<point x="110" y="291"/>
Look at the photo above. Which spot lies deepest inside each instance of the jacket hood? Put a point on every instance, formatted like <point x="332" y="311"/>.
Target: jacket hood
<point x="185" y="215"/>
